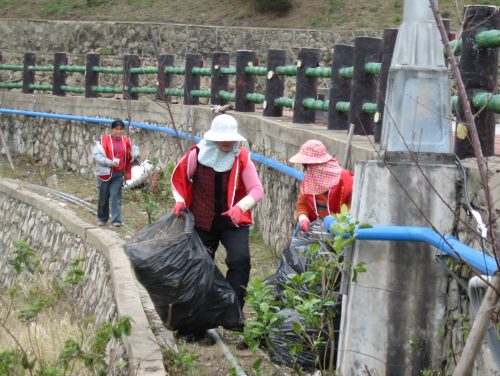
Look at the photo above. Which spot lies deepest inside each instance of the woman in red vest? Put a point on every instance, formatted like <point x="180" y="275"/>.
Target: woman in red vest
<point x="326" y="185"/>
<point x="217" y="181"/>
<point x="113" y="154"/>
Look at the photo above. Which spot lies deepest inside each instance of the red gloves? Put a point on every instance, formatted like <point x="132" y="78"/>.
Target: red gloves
<point x="235" y="214"/>
<point x="304" y="225"/>
<point x="178" y="207"/>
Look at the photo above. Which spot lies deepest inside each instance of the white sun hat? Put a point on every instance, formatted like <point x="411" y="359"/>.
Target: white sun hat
<point x="224" y="128"/>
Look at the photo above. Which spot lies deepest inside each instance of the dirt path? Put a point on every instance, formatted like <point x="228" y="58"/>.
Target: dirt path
<point x="194" y="359"/>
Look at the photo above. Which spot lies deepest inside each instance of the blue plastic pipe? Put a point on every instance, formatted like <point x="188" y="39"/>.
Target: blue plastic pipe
<point x="172" y="132"/>
<point x="447" y="244"/>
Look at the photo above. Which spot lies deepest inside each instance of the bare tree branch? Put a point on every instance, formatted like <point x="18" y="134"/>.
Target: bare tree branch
<point x="490" y="300"/>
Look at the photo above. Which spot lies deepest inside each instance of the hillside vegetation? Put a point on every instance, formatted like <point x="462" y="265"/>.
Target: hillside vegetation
<point x="311" y="14"/>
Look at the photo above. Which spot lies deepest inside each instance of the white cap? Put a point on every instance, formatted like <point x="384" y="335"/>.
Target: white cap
<point x="224" y="128"/>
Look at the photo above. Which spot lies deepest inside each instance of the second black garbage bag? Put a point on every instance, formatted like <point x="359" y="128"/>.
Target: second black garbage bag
<point x="187" y="289"/>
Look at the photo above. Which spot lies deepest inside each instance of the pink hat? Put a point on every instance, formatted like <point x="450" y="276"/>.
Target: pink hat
<point x="313" y="151"/>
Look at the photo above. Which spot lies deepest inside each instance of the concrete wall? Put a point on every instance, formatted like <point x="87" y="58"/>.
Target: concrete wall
<point x="108" y="288"/>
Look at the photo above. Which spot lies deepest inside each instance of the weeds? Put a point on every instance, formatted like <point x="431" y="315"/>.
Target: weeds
<point x="32" y="342"/>
<point x="181" y="363"/>
<point x="312" y="294"/>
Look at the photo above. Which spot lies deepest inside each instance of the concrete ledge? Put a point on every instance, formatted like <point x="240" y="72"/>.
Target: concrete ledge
<point x="142" y="349"/>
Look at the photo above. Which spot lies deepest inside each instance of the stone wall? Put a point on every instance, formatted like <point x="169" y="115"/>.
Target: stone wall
<point x="150" y="39"/>
<point x="59" y="237"/>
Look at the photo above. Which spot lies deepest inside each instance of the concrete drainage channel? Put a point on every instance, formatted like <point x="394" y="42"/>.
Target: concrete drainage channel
<point x="164" y="337"/>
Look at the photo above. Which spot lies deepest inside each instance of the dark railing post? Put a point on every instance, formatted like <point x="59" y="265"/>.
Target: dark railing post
<point x="59" y="76"/>
<point x="91" y="77"/>
<point x="478" y="68"/>
<point x="28" y="75"/>
<point x="191" y="81"/>
<point x="164" y="79"/>
<point x="340" y="87"/>
<point x="245" y="83"/>
<point x="275" y="84"/>
<point x="364" y="85"/>
<point x="306" y="87"/>
<point x="130" y="80"/>
<point x="218" y="81"/>
<point x="388" y="43"/>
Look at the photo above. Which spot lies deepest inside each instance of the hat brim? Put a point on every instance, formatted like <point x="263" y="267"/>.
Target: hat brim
<point x="300" y="158"/>
<point x="223" y="136"/>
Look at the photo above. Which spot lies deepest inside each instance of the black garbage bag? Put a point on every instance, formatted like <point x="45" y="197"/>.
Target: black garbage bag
<point x="187" y="289"/>
<point x="295" y="258"/>
<point x="283" y="338"/>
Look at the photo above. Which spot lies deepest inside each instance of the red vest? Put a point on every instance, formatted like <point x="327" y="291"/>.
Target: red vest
<point x="337" y="195"/>
<point x="235" y="189"/>
<point x="107" y="144"/>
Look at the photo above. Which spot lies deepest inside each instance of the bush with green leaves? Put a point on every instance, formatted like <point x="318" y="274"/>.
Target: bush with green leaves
<point x="311" y="294"/>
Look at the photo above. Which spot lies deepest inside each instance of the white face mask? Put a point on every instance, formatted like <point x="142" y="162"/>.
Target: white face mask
<point x="211" y="156"/>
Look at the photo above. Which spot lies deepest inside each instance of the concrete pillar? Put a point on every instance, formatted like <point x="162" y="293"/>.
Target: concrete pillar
<point x="191" y="81"/>
<point x="340" y="87"/>
<point x="164" y="79"/>
<point x="417" y="113"/>
<point x="245" y="83"/>
<point x="275" y="84"/>
<point x="392" y="314"/>
<point x="219" y="81"/>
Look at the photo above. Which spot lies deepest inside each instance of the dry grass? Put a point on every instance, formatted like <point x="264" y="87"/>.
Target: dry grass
<point x="42" y="338"/>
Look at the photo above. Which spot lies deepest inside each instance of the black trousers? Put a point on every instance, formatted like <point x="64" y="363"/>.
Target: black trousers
<point x="235" y="240"/>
